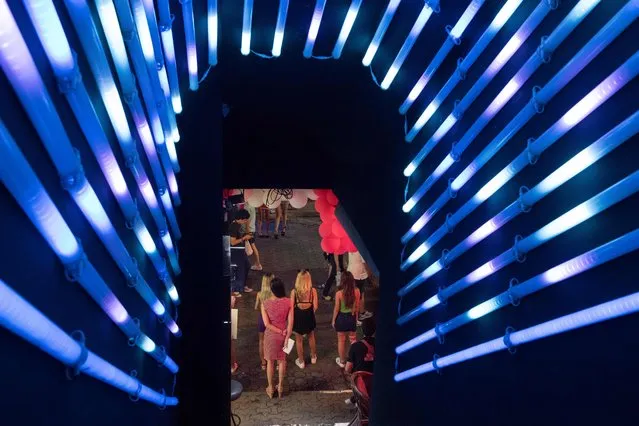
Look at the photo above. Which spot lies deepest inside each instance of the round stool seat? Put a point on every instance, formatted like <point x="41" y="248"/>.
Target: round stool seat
<point x="236" y="390"/>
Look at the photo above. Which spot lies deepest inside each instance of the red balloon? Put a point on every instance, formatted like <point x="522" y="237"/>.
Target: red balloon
<point x="330" y="245"/>
<point x="326" y="229"/>
<point x="321" y="193"/>
<point x="343" y="245"/>
<point x="331" y="198"/>
<point x="328" y="214"/>
<point x="338" y="229"/>
<point x="321" y="204"/>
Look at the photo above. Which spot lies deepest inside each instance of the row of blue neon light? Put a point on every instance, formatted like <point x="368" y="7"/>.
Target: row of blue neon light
<point x="18" y="65"/>
<point x="23" y="319"/>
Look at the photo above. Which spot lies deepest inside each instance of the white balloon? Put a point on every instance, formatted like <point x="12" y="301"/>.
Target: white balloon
<point x="270" y="203"/>
<point x="256" y="198"/>
<point x="311" y="194"/>
<point x="299" y="198"/>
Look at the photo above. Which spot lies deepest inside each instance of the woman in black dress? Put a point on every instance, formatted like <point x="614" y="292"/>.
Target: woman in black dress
<point x="304" y="302"/>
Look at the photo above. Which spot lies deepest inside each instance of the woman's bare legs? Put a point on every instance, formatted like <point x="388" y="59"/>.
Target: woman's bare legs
<point x="270" y="367"/>
<point x="258" y="264"/>
<point x="312" y="344"/>
<point x="234" y="365"/>
<point x="278" y="219"/>
<point x="262" y="348"/>
<point x="282" y="373"/>
<point x="341" y="346"/>
<point x="284" y="208"/>
<point x="259" y="221"/>
<point x="299" y="344"/>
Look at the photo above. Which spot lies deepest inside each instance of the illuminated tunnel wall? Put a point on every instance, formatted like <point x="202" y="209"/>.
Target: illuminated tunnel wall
<point x="500" y="217"/>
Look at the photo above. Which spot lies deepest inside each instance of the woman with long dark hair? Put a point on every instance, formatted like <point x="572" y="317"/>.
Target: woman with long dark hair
<point x="347" y="301"/>
<point x="278" y="320"/>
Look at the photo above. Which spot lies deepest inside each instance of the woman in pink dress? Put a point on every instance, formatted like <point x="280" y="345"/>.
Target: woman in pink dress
<point x="278" y="319"/>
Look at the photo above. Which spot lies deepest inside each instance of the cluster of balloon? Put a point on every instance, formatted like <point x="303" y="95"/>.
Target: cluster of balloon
<point x="334" y="237"/>
<point x="266" y="197"/>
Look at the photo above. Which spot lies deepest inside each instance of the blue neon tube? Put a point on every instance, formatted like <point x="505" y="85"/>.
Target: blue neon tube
<point x="314" y="28"/>
<point x="599" y="94"/>
<point x="170" y="148"/>
<point x="429" y="7"/>
<point x="278" y="38"/>
<point x="514" y="84"/>
<point x="380" y="31"/>
<point x="585" y="158"/>
<point x="506" y="53"/>
<point x="603" y="312"/>
<point x="347" y="26"/>
<point x="150" y="21"/>
<point x="42" y="13"/>
<point x="151" y="92"/>
<point x="158" y="78"/>
<point x="133" y="43"/>
<point x="212" y="28"/>
<point x="579" y="214"/>
<point x="191" y="47"/>
<point x="115" y="42"/>
<point x="454" y="35"/>
<point x="24" y="320"/>
<point x="488" y="35"/>
<point x="604" y="37"/>
<point x="575" y="266"/>
<point x="97" y="141"/>
<point x="21" y="181"/>
<point x="247" y="17"/>
<point x="166" y="32"/>
<point x="89" y="38"/>
<point x="108" y="18"/>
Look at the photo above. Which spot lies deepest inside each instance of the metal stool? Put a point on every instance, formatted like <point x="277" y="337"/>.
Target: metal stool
<point x="236" y="392"/>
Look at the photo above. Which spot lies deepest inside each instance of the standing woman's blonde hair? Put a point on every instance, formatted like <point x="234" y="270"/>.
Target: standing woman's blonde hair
<point x="303" y="284"/>
<point x="265" y="292"/>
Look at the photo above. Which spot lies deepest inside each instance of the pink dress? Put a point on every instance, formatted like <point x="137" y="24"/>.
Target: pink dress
<point x="277" y="312"/>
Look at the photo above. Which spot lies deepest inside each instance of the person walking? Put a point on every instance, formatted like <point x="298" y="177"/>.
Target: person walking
<point x="278" y="320"/>
<point x="281" y="216"/>
<point x="239" y="257"/>
<point x="361" y="272"/>
<point x="250" y="229"/>
<point x="304" y="302"/>
<point x="347" y="301"/>
<point x="264" y="294"/>
<point x="332" y="273"/>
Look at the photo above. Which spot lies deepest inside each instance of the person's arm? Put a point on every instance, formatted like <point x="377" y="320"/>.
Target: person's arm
<point x="267" y="323"/>
<point x="289" y="328"/>
<point x="315" y="300"/>
<point x="257" y="300"/>
<point x="357" y="302"/>
<point x="292" y="299"/>
<point x="238" y="241"/>
<point x="338" y="298"/>
<point x="348" y="368"/>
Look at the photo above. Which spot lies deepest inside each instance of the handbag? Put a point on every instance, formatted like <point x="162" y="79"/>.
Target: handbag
<point x="248" y="248"/>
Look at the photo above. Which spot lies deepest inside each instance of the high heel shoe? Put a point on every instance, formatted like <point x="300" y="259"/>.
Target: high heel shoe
<point x="269" y="392"/>
<point x="280" y="391"/>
